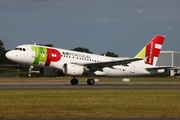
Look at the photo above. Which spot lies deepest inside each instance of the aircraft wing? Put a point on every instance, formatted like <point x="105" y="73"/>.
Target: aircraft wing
<point x="158" y="67"/>
<point x="109" y="63"/>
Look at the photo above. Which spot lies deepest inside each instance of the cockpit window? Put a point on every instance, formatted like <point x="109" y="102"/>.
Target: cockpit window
<point x="21" y="49"/>
<point x="16" y="49"/>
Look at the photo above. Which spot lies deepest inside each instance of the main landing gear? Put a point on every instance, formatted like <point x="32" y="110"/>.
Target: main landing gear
<point x="90" y="81"/>
<point x="74" y="81"/>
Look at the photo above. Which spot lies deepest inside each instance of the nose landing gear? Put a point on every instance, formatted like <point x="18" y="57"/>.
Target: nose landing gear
<point x="90" y="81"/>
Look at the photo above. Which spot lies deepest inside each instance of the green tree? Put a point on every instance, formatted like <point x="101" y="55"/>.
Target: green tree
<point x="81" y="49"/>
<point x="3" y="59"/>
<point x="110" y="54"/>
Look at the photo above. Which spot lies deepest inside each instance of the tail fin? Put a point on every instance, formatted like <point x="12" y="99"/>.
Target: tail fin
<point x="151" y="51"/>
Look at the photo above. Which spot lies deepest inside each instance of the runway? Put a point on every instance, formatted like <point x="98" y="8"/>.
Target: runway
<point x="84" y="86"/>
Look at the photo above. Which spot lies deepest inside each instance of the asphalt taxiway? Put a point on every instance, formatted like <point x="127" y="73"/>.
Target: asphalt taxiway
<point x="83" y="85"/>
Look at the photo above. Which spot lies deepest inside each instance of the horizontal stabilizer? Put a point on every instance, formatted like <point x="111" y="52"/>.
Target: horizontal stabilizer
<point x="158" y="68"/>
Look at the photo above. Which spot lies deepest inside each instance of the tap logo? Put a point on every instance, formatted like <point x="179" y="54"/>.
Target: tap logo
<point x="151" y="51"/>
<point x="44" y="56"/>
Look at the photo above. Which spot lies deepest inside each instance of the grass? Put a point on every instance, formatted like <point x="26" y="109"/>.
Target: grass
<point x="89" y="103"/>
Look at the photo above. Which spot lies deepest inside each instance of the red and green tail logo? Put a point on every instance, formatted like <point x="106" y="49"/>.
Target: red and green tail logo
<point x="151" y="51"/>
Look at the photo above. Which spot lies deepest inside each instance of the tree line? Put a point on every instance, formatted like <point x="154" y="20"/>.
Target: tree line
<point x="83" y="49"/>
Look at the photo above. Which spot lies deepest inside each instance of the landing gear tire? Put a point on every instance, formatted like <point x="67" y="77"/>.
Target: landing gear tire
<point x="74" y="81"/>
<point x="90" y="81"/>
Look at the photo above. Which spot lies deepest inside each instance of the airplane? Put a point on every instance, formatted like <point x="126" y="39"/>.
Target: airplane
<point x="56" y="61"/>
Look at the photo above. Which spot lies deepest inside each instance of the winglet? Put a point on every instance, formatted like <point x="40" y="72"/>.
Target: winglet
<point x="151" y="51"/>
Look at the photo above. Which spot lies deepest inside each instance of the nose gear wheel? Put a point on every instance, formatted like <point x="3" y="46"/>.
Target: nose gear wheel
<point x="90" y="81"/>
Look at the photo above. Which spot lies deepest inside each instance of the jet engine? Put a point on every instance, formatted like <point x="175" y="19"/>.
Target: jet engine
<point x="72" y="69"/>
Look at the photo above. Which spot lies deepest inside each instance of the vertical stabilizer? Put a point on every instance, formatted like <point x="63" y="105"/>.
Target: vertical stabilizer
<point x="151" y="51"/>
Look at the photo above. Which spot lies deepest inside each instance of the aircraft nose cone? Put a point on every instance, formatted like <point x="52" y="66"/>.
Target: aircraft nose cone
<point x="13" y="56"/>
<point x="8" y="55"/>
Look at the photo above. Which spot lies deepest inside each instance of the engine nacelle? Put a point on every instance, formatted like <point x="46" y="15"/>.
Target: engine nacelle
<point x="50" y="72"/>
<point x="72" y="69"/>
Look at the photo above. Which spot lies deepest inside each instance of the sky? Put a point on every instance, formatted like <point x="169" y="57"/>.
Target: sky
<point x="120" y="26"/>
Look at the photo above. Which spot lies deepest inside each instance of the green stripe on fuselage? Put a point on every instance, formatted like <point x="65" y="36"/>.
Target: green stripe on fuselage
<point x="40" y="54"/>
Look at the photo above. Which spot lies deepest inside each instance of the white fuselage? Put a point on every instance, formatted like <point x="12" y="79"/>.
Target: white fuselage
<point x="58" y="57"/>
